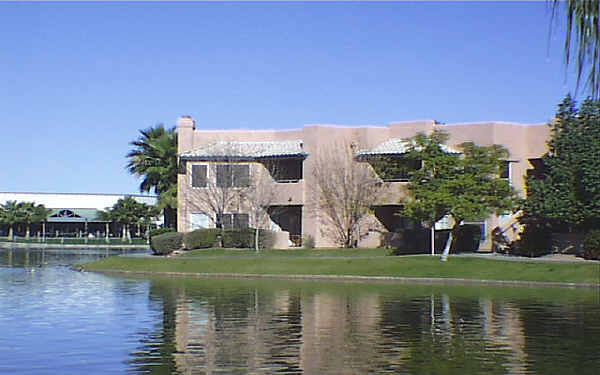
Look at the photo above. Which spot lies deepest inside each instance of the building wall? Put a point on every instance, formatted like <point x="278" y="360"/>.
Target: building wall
<point x="524" y="141"/>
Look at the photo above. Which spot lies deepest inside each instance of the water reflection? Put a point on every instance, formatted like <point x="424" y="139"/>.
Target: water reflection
<point x="239" y="327"/>
<point x="55" y="320"/>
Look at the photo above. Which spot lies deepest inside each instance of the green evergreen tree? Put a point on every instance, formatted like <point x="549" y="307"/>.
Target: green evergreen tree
<point x="567" y="189"/>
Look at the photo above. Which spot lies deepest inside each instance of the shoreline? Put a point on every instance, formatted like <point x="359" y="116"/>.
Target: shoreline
<point x="348" y="278"/>
<point x="41" y="245"/>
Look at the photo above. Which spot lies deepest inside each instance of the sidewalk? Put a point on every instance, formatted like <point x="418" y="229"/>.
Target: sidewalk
<point x="558" y="258"/>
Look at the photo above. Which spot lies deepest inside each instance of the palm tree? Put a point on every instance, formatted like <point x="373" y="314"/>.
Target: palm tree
<point x="154" y="160"/>
<point x="32" y="213"/>
<point x="11" y="214"/>
<point x="582" y="18"/>
<point x="127" y="212"/>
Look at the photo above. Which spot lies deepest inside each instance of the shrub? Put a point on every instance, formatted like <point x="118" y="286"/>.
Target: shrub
<point x="157" y="231"/>
<point x="201" y="239"/>
<point x="535" y="241"/>
<point x="244" y="238"/>
<point x="237" y="238"/>
<point x="308" y="242"/>
<point x="591" y="245"/>
<point x="266" y="239"/>
<point x="166" y="243"/>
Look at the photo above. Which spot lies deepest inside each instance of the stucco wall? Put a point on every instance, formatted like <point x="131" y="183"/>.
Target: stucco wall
<point x="522" y="140"/>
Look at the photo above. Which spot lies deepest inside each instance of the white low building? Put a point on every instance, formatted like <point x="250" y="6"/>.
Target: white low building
<point x="74" y="214"/>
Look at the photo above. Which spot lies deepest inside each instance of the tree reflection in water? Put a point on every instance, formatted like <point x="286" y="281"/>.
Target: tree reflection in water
<point x="265" y="327"/>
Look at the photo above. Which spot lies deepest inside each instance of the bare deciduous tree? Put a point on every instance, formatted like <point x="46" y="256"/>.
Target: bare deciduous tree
<point x="259" y="196"/>
<point x="216" y="185"/>
<point x="343" y="193"/>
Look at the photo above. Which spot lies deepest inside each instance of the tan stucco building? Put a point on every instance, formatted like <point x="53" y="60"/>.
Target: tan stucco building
<point x="205" y="154"/>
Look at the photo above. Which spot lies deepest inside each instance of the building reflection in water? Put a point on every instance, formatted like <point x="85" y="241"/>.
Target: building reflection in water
<point x="245" y="329"/>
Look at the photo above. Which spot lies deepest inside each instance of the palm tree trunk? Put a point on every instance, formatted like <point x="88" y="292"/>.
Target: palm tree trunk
<point x="11" y="232"/>
<point x="27" y="231"/>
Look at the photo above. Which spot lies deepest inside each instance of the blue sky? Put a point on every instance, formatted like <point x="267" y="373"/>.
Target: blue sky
<point x="79" y="80"/>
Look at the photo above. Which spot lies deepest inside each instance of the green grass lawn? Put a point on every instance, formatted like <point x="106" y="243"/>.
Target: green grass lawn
<point x="350" y="262"/>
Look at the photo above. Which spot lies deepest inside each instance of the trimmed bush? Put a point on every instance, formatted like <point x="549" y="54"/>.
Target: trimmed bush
<point x="238" y="238"/>
<point x="244" y="238"/>
<point x="201" y="239"/>
<point x="266" y="239"/>
<point x="166" y="243"/>
<point x="535" y="241"/>
<point x="591" y="245"/>
<point x="157" y="231"/>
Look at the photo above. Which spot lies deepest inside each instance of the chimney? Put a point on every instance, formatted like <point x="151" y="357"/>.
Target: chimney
<point x="185" y="133"/>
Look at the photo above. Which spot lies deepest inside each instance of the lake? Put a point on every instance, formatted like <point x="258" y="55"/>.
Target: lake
<point x="54" y="320"/>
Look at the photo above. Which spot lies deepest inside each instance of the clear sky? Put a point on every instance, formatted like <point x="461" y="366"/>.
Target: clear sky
<point x="79" y="80"/>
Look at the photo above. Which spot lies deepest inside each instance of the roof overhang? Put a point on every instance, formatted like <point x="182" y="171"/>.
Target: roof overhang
<point x="395" y="147"/>
<point x="245" y="151"/>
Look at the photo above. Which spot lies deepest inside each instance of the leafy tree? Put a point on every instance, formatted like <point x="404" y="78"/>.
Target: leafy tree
<point x="11" y="214"/>
<point x="464" y="185"/>
<point x="567" y="191"/>
<point x="154" y="159"/>
<point x="582" y="18"/>
<point x="128" y="212"/>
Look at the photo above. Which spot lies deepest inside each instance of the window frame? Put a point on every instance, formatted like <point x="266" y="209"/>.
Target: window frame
<point x="232" y="216"/>
<point x="192" y="175"/>
<point x="508" y="170"/>
<point x="231" y="167"/>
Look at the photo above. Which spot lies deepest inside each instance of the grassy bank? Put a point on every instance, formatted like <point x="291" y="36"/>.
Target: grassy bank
<point x="351" y="263"/>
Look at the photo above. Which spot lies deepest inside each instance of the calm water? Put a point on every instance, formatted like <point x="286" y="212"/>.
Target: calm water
<point x="57" y="321"/>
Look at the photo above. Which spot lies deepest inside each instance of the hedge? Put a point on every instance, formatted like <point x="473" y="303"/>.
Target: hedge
<point x="166" y="243"/>
<point x="244" y="238"/>
<point x="201" y="239"/>
<point x="535" y="241"/>
<point x="157" y="231"/>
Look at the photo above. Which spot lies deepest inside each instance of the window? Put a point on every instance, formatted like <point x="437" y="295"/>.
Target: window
<point x="505" y="169"/>
<point x="394" y="168"/>
<point x="198" y="221"/>
<point x="285" y="170"/>
<point x="233" y="175"/>
<point x="229" y="221"/>
<point x="199" y="175"/>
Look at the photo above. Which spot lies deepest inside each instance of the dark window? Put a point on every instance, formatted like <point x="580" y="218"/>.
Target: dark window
<point x="505" y="169"/>
<point x="199" y="175"/>
<point x="394" y="168"/>
<point x="233" y="175"/>
<point x="241" y="175"/>
<point x="285" y="170"/>
<point x="229" y="221"/>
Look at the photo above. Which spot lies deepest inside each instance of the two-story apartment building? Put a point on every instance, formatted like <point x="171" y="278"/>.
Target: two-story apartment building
<point x="213" y="162"/>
